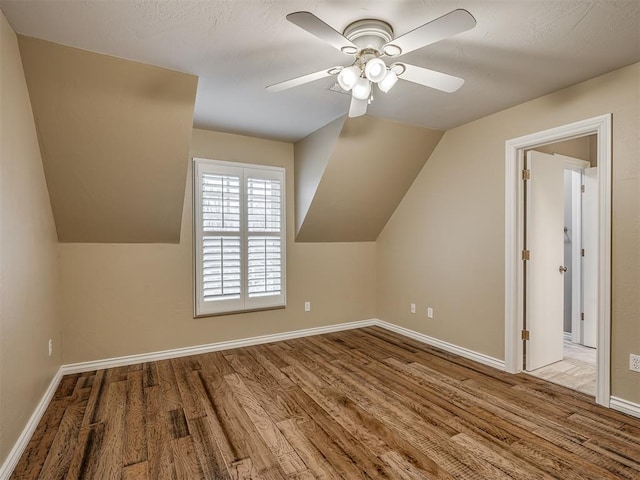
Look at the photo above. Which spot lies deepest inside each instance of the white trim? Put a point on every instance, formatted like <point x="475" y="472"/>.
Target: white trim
<point x="23" y="440"/>
<point x="625" y="406"/>
<point x="448" y="347"/>
<point x="18" y="449"/>
<point x="244" y="302"/>
<point x="210" y="347"/>
<point x="20" y="445"/>
<point x="577" y="279"/>
<point x="231" y="163"/>
<point x="277" y="337"/>
<point x="571" y="163"/>
<point x="601" y="126"/>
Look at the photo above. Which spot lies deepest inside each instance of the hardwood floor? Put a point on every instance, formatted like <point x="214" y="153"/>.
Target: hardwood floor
<point x="356" y="404"/>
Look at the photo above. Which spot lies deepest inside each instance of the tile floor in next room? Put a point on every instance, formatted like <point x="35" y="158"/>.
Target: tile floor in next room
<point x="577" y="370"/>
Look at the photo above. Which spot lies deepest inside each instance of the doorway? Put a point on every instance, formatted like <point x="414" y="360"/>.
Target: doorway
<point x="515" y="280"/>
<point x="561" y="232"/>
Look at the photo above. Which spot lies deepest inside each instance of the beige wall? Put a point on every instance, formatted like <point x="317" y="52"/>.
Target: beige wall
<point x="312" y="155"/>
<point x="444" y="245"/>
<point x="29" y="273"/>
<point x="372" y="165"/>
<point x="128" y="299"/>
<point x="114" y="136"/>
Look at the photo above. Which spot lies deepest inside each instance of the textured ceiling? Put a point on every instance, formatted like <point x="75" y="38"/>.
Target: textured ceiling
<point x="519" y="50"/>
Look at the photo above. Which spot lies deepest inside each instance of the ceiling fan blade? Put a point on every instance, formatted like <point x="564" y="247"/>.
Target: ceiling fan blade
<point x="447" y="25"/>
<point x="357" y="107"/>
<point x="312" y="24"/>
<point x="310" y="77"/>
<point x="430" y="78"/>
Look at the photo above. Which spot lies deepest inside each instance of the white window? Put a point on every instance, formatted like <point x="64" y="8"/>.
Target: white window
<point x="239" y="228"/>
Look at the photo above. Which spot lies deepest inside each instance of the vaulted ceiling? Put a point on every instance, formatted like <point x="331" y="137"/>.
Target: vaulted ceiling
<point x="519" y="50"/>
<point x="113" y="89"/>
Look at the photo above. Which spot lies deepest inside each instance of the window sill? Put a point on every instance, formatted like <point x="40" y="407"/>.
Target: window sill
<point x="235" y="312"/>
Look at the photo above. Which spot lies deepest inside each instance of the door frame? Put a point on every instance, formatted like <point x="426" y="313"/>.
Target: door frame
<point x="514" y="241"/>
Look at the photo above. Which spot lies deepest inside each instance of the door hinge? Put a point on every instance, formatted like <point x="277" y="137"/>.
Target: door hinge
<point x="525" y="334"/>
<point x="526" y="174"/>
<point x="582" y="252"/>
<point x="526" y="255"/>
<point x="582" y="188"/>
<point x="582" y="316"/>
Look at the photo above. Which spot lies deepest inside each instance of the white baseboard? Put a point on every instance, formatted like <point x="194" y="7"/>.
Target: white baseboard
<point x="447" y="347"/>
<point x="21" y="444"/>
<point x="625" y="406"/>
<point x="16" y="452"/>
<point x="24" y="438"/>
<point x="276" y="337"/>
<point x="211" y="347"/>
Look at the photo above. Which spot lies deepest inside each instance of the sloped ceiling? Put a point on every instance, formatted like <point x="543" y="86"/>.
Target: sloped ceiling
<point x="359" y="185"/>
<point x="519" y="50"/>
<point x="114" y="137"/>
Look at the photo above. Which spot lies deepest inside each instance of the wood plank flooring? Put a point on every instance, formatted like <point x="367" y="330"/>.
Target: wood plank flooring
<point x="356" y="404"/>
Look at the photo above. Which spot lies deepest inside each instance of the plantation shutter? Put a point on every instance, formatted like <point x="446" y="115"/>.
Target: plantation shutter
<point x="264" y="235"/>
<point x="221" y="262"/>
<point x="239" y="237"/>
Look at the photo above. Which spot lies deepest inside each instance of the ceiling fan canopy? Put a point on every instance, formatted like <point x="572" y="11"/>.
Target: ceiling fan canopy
<point x="370" y="41"/>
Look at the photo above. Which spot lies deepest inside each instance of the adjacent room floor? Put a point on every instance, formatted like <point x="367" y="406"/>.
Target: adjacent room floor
<point x="363" y="403"/>
<point x="577" y="370"/>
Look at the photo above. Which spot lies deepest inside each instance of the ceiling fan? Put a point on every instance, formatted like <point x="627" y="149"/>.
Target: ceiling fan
<point x="369" y="41"/>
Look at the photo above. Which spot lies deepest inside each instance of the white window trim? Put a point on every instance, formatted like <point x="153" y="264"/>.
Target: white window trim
<point x="244" y="304"/>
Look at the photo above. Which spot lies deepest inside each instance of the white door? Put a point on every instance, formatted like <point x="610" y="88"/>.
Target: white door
<point x="544" y="295"/>
<point x="590" y="259"/>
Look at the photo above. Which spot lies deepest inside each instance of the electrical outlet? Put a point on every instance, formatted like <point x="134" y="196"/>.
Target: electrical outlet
<point x="307" y="306"/>
<point x="413" y="308"/>
<point x="429" y="312"/>
<point x="50" y="347"/>
<point x="634" y="362"/>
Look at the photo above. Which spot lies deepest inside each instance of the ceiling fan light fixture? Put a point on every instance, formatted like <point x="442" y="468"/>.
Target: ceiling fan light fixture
<point x="388" y="81"/>
<point x="348" y="77"/>
<point x="375" y="70"/>
<point x="362" y="89"/>
<point x="370" y="39"/>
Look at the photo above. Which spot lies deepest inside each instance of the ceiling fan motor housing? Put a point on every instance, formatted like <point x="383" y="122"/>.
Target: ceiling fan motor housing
<point x="369" y="34"/>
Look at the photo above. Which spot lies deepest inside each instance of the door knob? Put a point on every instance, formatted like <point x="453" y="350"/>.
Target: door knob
<point x="562" y="268"/>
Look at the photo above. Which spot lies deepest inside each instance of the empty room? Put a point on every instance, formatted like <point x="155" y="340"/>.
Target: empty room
<point x="318" y="239"/>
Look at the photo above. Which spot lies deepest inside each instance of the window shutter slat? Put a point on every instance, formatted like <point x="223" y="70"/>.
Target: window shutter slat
<point x="220" y="203"/>
<point x="221" y="268"/>
<point x="264" y="266"/>
<point x="264" y="204"/>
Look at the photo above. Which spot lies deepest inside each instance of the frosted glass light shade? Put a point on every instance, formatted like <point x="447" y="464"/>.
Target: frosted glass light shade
<point x="375" y="70"/>
<point x="388" y="81"/>
<point x="348" y="77"/>
<point x="362" y="89"/>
